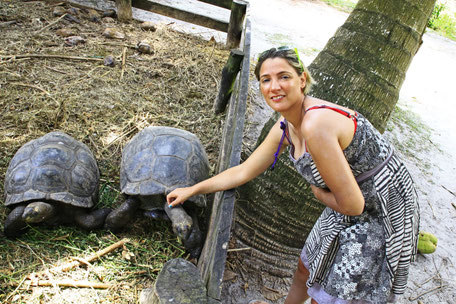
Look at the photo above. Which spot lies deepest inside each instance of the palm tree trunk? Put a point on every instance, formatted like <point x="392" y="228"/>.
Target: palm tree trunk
<point x="363" y="65"/>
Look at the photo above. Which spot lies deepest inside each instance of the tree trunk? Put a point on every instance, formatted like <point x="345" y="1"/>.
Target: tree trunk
<point x="362" y="67"/>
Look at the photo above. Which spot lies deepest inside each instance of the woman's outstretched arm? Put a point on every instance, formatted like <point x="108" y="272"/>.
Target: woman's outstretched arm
<point x="258" y="162"/>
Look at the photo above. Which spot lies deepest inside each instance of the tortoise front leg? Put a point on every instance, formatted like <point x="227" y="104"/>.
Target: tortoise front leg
<point x="186" y="228"/>
<point x="182" y="223"/>
<point x="91" y="220"/>
<point x="14" y="224"/>
<point x="124" y="214"/>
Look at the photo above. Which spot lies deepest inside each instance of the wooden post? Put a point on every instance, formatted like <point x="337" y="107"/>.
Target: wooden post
<point x="238" y="10"/>
<point x="229" y="73"/>
<point x="124" y="13"/>
<point x="213" y="256"/>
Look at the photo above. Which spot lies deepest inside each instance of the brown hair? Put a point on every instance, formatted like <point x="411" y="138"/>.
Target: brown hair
<point x="292" y="57"/>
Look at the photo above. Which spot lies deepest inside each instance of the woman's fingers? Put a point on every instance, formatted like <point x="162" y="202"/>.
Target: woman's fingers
<point x="177" y="196"/>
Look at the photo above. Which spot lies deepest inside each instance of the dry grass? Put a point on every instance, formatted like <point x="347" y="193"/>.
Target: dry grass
<point x="102" y="107"/>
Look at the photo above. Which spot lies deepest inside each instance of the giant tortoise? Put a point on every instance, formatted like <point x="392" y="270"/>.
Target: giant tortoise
<point x="53" y="179"/>
<point x="156" y="161"/>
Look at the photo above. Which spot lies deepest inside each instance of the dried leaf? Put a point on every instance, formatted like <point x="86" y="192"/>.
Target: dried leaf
<point x="127" y="255"/>
<point x="271" y="294"/>
<point x="229" y="275"/>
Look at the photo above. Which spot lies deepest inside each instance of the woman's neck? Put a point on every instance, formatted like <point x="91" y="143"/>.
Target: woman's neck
<point x="295" y="115"/>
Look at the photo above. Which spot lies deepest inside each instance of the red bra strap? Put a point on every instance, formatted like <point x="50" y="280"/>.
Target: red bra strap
<point x="353" y="117"/>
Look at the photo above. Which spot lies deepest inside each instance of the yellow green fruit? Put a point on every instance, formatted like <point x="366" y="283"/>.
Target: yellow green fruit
<point x="427" y="242"/>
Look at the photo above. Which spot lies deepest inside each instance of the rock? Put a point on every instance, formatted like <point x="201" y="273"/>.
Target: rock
<point x="144" y="47"/>
<point x="109" y="13"/>
<point x="109" y="61"/>
<point x="113" y="33"/>
<point x="93" y="15"/>
<point x="148" y="26"/>
<point x="73" y="11"/>
<point x="178" y="282"/>
<point x="108" y="20"/>
<point x="72" y="18"/>
<point x="58" y="11"/>
<point x="66" y="32"/>
<point x="74" y="40"/>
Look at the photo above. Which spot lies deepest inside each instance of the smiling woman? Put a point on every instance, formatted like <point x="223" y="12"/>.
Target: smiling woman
<point x="361" y="247"/>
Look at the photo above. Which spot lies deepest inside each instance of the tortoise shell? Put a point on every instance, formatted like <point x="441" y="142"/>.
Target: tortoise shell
<point x="158" y="160"/>
<point x="54" y="167"/>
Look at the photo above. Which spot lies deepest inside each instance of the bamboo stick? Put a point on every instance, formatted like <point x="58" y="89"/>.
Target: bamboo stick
<point x="66" y="283"/>
<point x="73" y="264"/>
<point x="49" y="56"/>
<point x="90" y="258"/>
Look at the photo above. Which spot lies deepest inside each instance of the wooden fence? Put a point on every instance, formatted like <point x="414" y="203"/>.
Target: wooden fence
<point x="200" y="14"/>
<point x="213" y="257"/>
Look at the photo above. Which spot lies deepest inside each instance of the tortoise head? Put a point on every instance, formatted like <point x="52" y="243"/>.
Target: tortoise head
<point x="38" y="212"/>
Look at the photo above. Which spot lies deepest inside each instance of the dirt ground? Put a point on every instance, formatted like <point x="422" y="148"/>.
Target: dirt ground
<point x="50" y="82"/>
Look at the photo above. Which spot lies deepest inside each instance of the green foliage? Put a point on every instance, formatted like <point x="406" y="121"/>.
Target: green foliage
<point x="442" y="23"/>
<point x="446" y="26"/>
<point x="438" y="8"/>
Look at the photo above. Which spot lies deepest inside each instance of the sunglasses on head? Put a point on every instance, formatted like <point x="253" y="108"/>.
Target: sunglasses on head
<point x="284" y="48"/>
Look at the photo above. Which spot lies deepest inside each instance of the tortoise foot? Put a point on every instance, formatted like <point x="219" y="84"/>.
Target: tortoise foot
<point x="92" y="220"/>
<point x="14" y="225"/>
<point x="121" y="216"/>
<point x="194" y="243"/>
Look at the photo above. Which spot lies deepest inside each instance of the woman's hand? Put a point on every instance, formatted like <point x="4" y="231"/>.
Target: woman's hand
<point x="179" y="195"/>
<point x="319" y="192"/>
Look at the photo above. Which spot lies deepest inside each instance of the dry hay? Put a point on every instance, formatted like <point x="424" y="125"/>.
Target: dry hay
<point x="101" y="106"/>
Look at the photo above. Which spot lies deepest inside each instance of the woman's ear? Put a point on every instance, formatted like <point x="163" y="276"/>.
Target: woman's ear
<point x="303" y="80"/>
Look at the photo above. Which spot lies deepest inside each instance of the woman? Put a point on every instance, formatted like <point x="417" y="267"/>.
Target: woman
<point x="360" y="248"/>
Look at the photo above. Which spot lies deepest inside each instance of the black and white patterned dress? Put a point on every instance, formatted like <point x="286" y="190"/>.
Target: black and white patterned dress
<point x="364" y="257"/>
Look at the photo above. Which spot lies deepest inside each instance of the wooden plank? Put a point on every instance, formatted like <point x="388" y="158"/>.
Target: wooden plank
<point x="238" y="11"/>
<point x="186" y="13"/>
<point x="229" y="74"/>
<point x="213" y="257"/>
<point x="221" y="3"/>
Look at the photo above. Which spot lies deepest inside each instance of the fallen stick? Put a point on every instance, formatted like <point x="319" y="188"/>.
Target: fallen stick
<point x="238" y="249"/>
<point x="448" y="190"/>
<point x="71" y="265"/>
<point x="66" y="283"/>
<point x="7" y="23"/>
<point x="51" y="24"/>
<point x="426" y="292"/>
<point x="118" y="44"/>
<point x="124" y="59"/>
<point x="31" y="86"/>
<point x="49" y="56"/>
<point x="91" y="258"/>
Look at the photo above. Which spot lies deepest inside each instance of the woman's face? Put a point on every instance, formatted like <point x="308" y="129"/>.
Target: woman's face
<point x="280" y="84"/>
